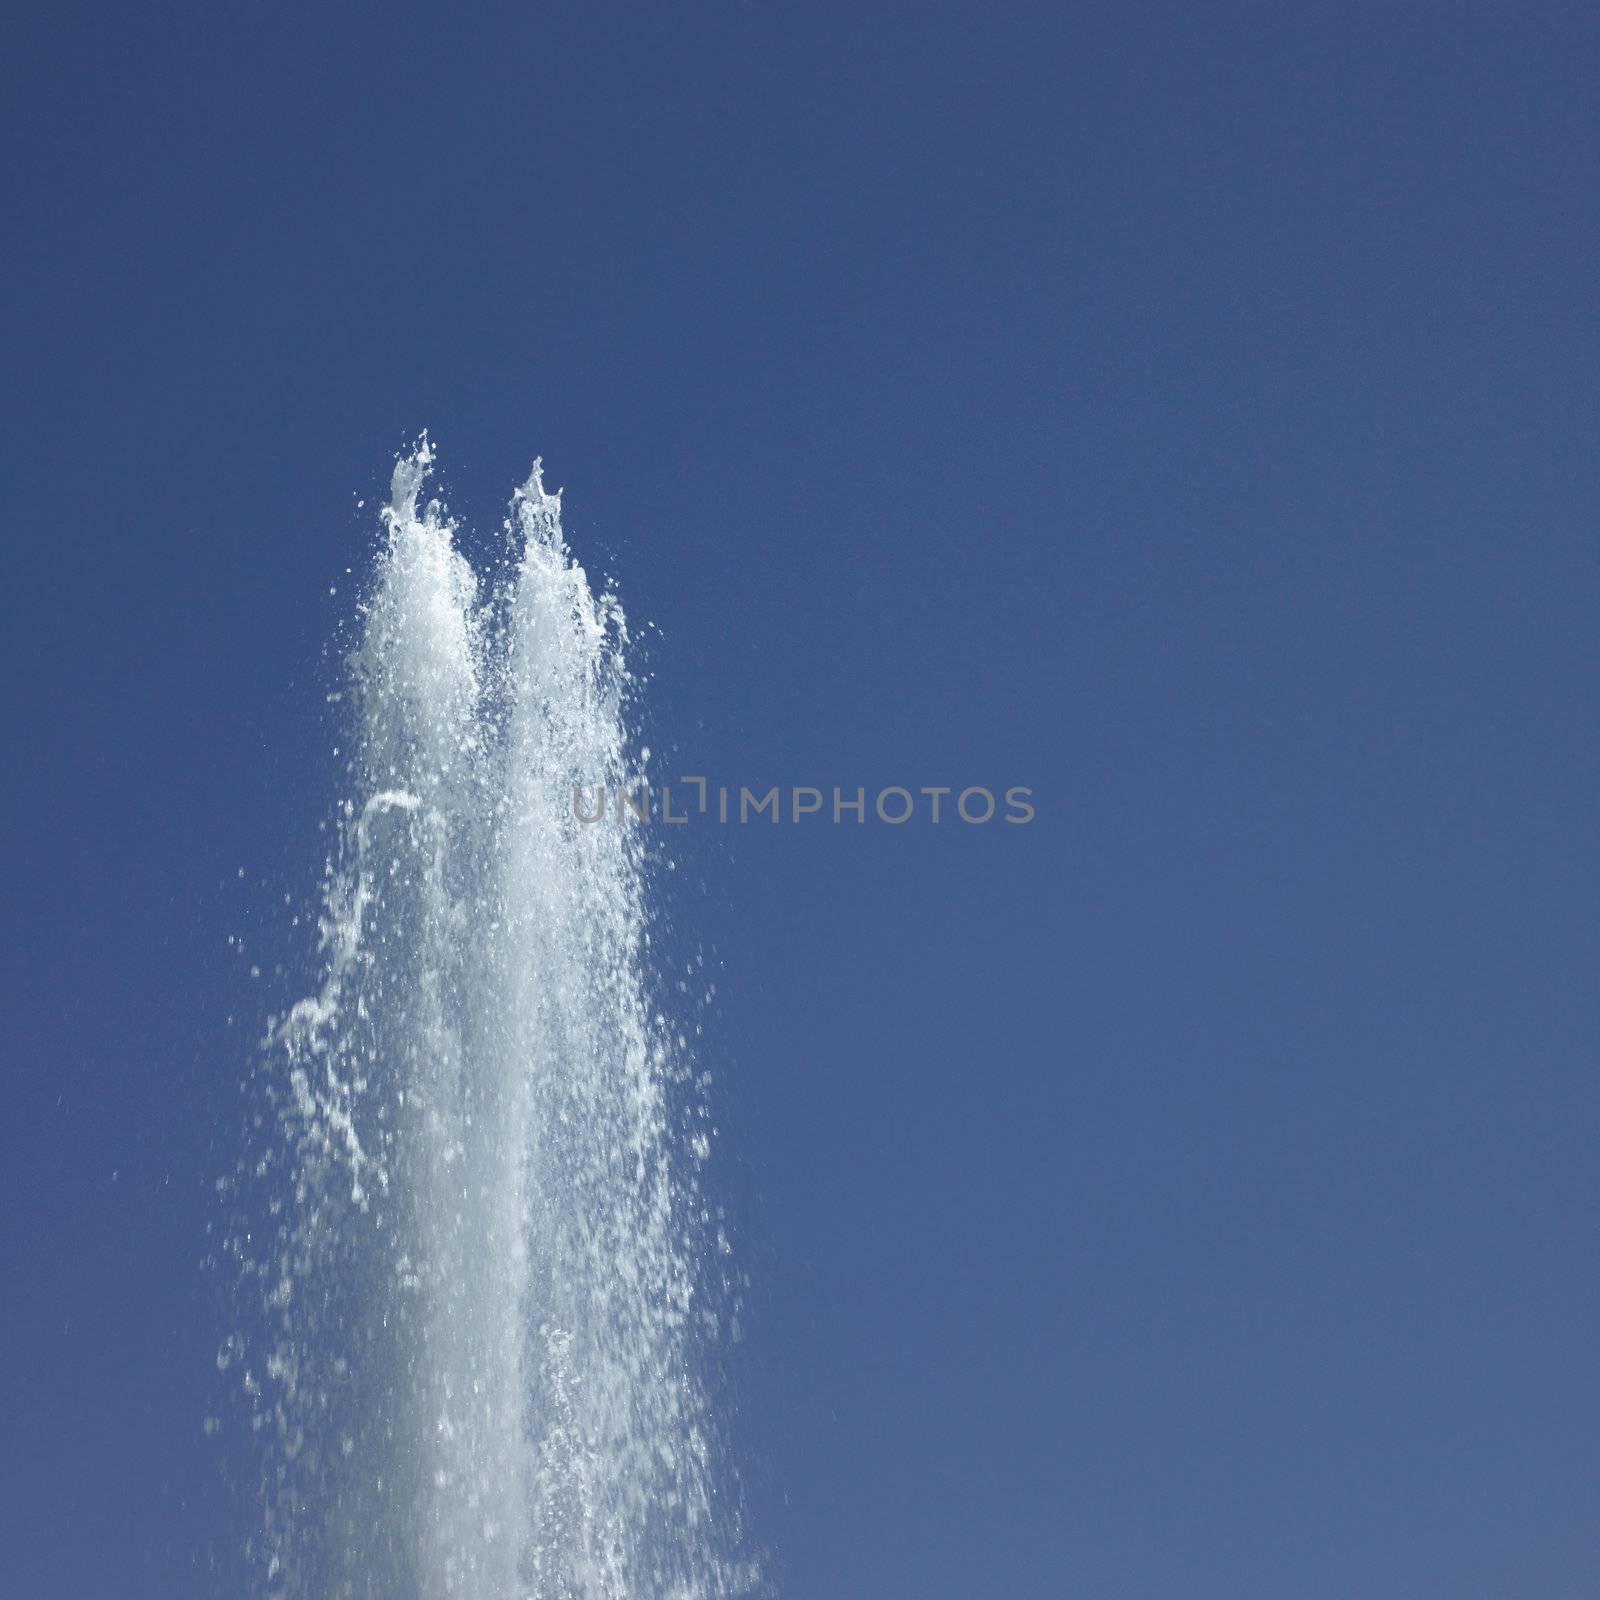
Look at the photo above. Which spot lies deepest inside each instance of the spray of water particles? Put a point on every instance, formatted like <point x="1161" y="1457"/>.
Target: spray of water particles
<point x="478" y="1272"/>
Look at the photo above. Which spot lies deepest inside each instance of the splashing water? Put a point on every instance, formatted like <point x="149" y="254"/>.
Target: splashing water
<point x="478" y="1247"/>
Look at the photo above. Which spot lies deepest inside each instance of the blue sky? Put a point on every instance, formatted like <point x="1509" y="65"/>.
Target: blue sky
<point x="1186" y="411"/>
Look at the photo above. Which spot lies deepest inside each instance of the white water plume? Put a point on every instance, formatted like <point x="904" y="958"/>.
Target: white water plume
<point x="472" y="1227"/>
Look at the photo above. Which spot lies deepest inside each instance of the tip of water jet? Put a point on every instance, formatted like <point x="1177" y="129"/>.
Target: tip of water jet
<point x="537" y="511"/>
<point x="410" y="472"/>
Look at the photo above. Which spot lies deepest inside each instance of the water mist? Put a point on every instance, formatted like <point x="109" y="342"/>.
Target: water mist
<point x="479" y="1273"/>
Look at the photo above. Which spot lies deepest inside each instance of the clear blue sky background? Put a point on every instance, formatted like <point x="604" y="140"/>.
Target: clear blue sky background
<point x="1187" y="410"/>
